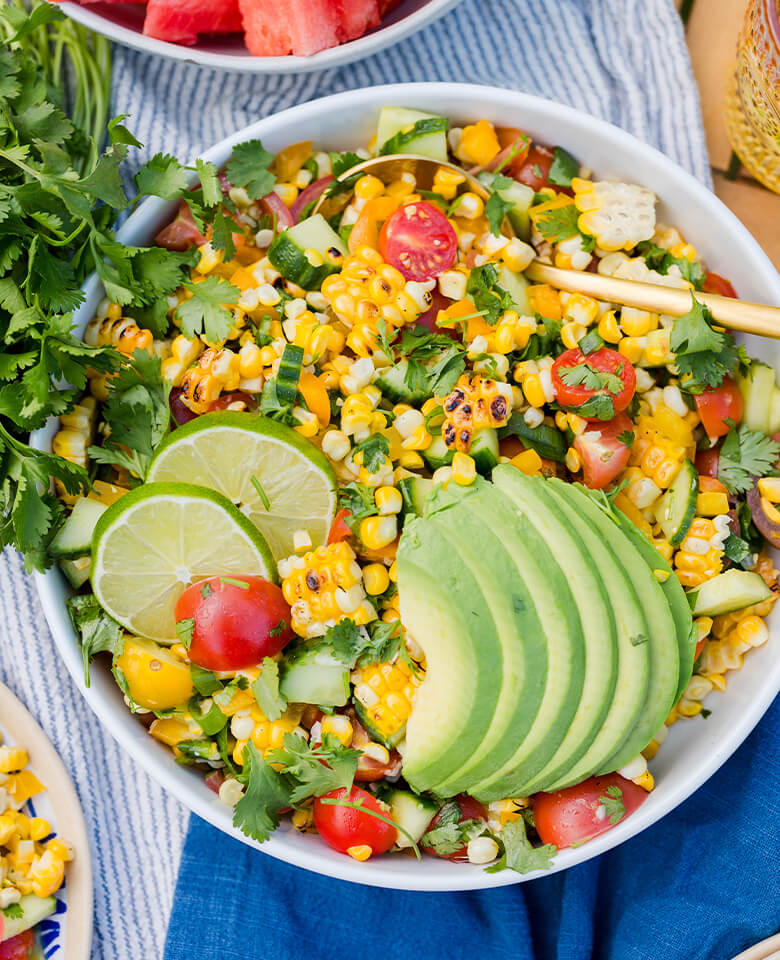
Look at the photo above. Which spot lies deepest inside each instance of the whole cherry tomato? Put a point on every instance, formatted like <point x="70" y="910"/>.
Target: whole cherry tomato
<point x="235" y="621"/>
<point x="345" y="828"/>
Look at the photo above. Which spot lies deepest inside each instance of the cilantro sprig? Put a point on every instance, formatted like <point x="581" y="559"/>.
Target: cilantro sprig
<point x="744" y="456"/>
<point x="703" y="355"/>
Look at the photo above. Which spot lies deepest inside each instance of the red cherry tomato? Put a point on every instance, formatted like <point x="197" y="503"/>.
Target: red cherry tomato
<point x="274" y="206"/>
<point x="339" y="529"/>
<point x="536" y="169"/>
<point x="181" y="412"/>
<point x="604" y="361"/>
<point x="470" y="809"/>
<point x="707" y="462"/>
<point x="235" y="396"/>
<point x="344" y="827"/>
<point x="234" y="626"/>
<point x="513" y="141"/>
<point x="181" y="233"/>
<point x="419" y="241"/>
<point x="428" y="319"/>
<point x="580" y="813"/>
<point x="19" y="947"/>
<point x="603" y="455"/>
<point x="714" y="283"/>
<point x="716" y="405"/>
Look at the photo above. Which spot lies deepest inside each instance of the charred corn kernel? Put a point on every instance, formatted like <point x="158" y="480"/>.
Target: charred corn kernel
<point x="446" y="182"/>
<point x="631" y="348"/>
<point x="184" y="352"/>
<point x="545" y="301"/>
<point x="573" y="460"/>
<point x="216" y="371"/>
<point x="360" y="852"/>
<point x="464" y="469"/>
<point x="637" y="323"/>
<point x="528" y="462"/>
<point x="340" y="727"/>
<point x="571" y="334"/>
<point x="303" y="819"/>
<point x="387" y="691"/>
<point x="369" y="187"/>
<point x="608" y="327"/>
<point x="472" y="405"/>
<point x="378" y="532"/>
<point x="324" y="585"/>
<point x="478" y="144"/>
<point x="388" y="501"/>
<point x="120" y="332"/>
<point x="12" y="759"/>
<point x="375" y="579"/>
<point x="618" y="215"/>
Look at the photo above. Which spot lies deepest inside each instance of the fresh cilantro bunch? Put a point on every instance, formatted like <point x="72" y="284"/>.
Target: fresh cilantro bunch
<point x="703" y="355"/>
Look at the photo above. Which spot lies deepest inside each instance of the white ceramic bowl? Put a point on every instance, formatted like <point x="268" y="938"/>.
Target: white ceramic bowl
<point x="694" y="749"/>
<point x="124" y="22"/>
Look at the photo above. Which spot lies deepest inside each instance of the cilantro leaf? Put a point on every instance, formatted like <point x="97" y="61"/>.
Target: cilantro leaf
<point x="563" y="168"/>
<point x="358" y="499"/>
<point x="14" y="911"/>
<point x="162" y="176"/>
<point x="613" y="804"/>
<point x="519" y="854"/>
<point x="495" y="210"/>
<point x="449" y="835"/>
<point x="559" y="223"/>
<point x="487" y="295"/>
<point x="746" y="454"/>
<point x="736" y="549"/>
<point x="659" y="259"/>
<point x="209" y="182"/>
<point x="341" y="162"/>
<point x="206" y="310"/>
<point x="266" y="690"/>
<point x="379" y="642"/>
<point x="375" y="450"/>
<point x="248" y="168"/>
<point x="703" y="356"/>
<point x="444" y="373"/>
<point x="96" y="631"/>
<point x="315" y="770"/>
<point x="267" y="792"/>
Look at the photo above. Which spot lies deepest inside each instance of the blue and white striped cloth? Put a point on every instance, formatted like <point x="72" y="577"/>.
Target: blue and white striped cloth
<point x="624" y="60"/>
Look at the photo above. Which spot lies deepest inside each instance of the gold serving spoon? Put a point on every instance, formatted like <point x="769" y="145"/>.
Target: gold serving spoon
<point x="742" y="315"/>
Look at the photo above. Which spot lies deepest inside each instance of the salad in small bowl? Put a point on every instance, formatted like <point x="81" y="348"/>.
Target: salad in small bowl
<point x="397" y="551"/>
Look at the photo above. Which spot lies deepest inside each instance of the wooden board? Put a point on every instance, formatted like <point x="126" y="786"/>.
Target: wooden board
<point x="713" y="29"/>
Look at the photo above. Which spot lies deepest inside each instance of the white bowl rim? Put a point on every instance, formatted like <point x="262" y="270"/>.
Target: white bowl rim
<point x="319" y="858"/>
<point x="370" y="43"/>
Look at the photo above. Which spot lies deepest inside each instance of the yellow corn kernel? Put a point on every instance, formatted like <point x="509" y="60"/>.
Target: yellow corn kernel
<point x="580" y="309"/>
<point x="388" y="501"/>
<point x="608" y="328"/>
<point x="39" y="828"/>
<point x="47" y="874"/>
<point x="637" y="323"/>
<point x="378" y="532"/>
<point x="446" y="182"/>
<point x="464" y="469"/>
<point x="528" y="462"/>
<point x="683" y="251"/>
<point x="479" y="143"/>
<point x="573" y="460"/>
<point x="533" y="390"/>
<point x="645" y="781"/>
<point x="711" y="503"/>
<point x="360" y="852"/>
<point x="376" y="579"/>
<point x="631" y="348"/>
<point x="340" y="727"/>
<point x="12" y="758"/>
<point x="303" y="818"/>
<point x="369" y="187"/>
<point x="210" y="258"/>
<point x="572" y="333"/>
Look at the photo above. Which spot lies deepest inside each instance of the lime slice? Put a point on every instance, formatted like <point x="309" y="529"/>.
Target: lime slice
<point x="159" y="538"/>
<point x="235" y="453"/>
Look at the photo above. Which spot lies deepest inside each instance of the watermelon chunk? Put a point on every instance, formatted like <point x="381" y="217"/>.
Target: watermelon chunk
<point x="180" y="21"/>
<point x="300" y="27"/>
<point x="356" y="17"/>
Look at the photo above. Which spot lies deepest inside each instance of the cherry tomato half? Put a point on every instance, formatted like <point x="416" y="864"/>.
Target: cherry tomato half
<point x="535" y="170"/>
<point x="584" y="811"/>
<point x="608" y="363"/>
<point x="236" y="621"/>
<point x="715" y="283"/>
<point x="718" y="404"/>
<point x="515" y="143"/>
<point x="603" y="455"/>
<point x="19" y="947"/>
<point x="339" y="529"/>
<point x="181" y="233"/>
<point x="345" y="827"/>
<point x="419" y="241"/>
<point x="470" y="809"/>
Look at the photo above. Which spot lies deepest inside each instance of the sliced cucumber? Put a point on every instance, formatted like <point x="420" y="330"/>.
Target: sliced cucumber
<point x="414" y="490"/>
<point x="516" y="286"/>
<point x="677" y="506"/>
<point x="413" y="813"/>
<point x="732" y="590"/>
<point x="484" y="450"/>
<point x="438" y="454"/>
<point x="548" y="441"/>
<point x="74" y="538"/>
<point x="77" y="570"/>
<point x="314" y="675"/>
<point x="34" y="909"/>
<point x="520" y="196"/>
<point x="758" y="389"/>
<point x="400" y="130"/>
<point x="376" y="734"/>
<point x="392" y="383"/>
<point x="308" y="252"/>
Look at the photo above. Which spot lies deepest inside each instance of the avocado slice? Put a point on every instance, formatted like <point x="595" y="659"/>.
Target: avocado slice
<point x="534" y="501"/>
<point x="675" y="596"/>
<point x="660" y="635"/>
<point x="526" y="756"/>
<point x="443" y="609"/>
<point x="520" y="597"/>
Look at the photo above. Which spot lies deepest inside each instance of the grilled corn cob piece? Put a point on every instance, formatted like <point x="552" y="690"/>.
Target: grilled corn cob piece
<point x="385" y="693"/>
<point x="474" y="403"/>
<point x="618" y="215"/>
<point x="216" y="371"/>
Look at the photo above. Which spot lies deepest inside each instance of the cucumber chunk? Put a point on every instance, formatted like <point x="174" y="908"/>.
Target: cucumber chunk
<point x="400" y="120"/>
<point x="414" y="490"/>
<point x="729" y="591"/>
<point x="484" y="450"/>
<point x="516" y="286"/>
<point x="520" y="196"/>
<point x="77" y="570"/>
<point x="34" y="909"/>
<point x="288" y="252"/>
<point x="758" y="389"/>
<point x="74" y="538"/>
<point x="314" y="675"/>
<point x="392" y="383"/>
<point x="677" y="507"/>
<point x="413" y="813"/>
<point x="438" y="454"/>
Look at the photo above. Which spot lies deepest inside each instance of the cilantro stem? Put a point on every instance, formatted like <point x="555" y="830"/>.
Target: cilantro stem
<point x="334" y="802"/>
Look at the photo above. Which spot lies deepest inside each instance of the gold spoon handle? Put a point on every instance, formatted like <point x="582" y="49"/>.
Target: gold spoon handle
<point x="740" y="315"/>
